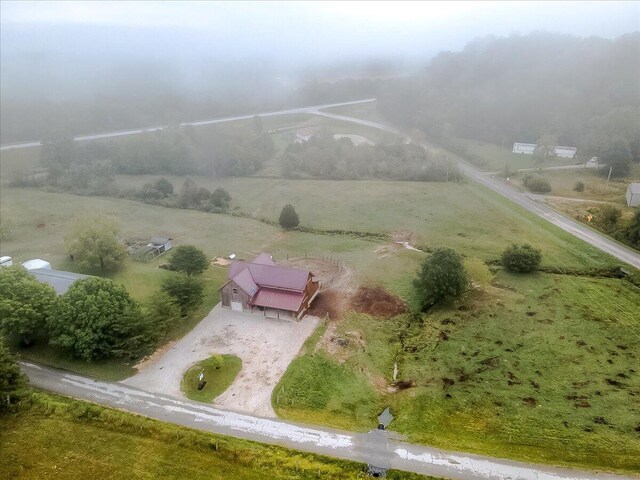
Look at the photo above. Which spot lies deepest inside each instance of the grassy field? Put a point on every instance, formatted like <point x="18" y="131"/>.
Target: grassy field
<point x="535" y="367"/>
<point x="595" y="184"/>
<point x="54" y="437"/>
<point x="219" y="372"/>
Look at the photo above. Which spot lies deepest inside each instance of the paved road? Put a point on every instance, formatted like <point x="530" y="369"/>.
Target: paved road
<point x="599" y="241"/>
<point x="138" y="131"/>
<point x="374" y="448"/>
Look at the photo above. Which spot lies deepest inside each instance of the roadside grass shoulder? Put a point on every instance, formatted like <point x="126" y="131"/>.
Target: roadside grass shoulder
<point x="218" y="372"/>
<point x="50" y="436"/>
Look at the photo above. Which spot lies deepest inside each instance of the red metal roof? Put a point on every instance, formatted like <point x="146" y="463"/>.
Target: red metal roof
<point x="270" y="275"/>
<point x="271" y="298"/>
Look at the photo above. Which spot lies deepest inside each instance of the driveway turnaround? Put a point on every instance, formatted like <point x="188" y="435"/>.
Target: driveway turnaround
<point x="373" y="448"/>
<point x="266" y="346"/>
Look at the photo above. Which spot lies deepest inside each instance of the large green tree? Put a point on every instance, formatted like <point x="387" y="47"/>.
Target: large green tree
<point x="93" y="244"/>
<point x="617" y="155"/>
<point x="442" y="276"/>
<point x="161" y="310"/>
<point x="11" y="379"/>
<point x="188" y="259"/>
<point x="220" y="200"/>
<point x="288" y="217"/>
<point x="96" y="318"/>
<point x="188" y="292"/>
<point x="25" y="303"/>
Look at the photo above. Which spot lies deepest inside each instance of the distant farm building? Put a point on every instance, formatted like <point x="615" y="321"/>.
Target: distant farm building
<point x="633" y="194"/>
<point x="275" y="290"/>
<point x="304" y="134"/>
<point x="565" y="152"/>
<point x="154" y="248"/>
<point x="524" y="148"/>
<point x="58" y="279"/>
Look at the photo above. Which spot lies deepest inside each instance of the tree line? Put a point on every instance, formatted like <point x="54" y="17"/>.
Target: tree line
<point x="90" y="167"/>
<point x="325" y="157"/>
<point x="581" y="92"/>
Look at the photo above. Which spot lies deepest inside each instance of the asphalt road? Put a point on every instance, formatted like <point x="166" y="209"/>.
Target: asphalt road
<point x="375" y="448"/>
<point x="138" y="131"/>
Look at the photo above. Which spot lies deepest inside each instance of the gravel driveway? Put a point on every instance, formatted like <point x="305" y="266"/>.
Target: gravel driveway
<point x="266" y="346"/>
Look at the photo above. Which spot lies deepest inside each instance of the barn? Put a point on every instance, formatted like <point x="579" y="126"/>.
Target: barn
<point x="633" y="194"/>
<point x="524" y="148"/>
<point x="275" y="290"/>
<point x="565" y="152"/>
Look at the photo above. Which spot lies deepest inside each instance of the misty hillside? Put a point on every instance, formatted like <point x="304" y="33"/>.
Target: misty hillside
<point x="516" y="89"/>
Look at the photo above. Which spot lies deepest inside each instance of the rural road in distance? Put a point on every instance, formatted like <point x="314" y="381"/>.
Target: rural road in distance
<point x="138" y="131"/>
<point x="374" y="448"/>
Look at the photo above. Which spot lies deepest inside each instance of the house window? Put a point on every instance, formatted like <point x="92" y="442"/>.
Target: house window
<point x="235" y="290"/>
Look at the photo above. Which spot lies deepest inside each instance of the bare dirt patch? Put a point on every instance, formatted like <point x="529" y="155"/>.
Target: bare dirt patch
<point x="378" y="302"/>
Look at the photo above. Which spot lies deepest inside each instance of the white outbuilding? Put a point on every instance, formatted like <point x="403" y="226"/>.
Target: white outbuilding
<point x="36" y="263"/>
<point x="565" y="152"/>
<point x="633" y="194"/>
<point x="524" y="148"/>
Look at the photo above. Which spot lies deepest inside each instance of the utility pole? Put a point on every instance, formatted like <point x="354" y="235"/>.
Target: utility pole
<point x="609" y="176"/>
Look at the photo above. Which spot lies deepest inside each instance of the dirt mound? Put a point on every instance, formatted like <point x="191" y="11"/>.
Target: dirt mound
<point x="326" y="303"/>
<point x="377" y="301"/>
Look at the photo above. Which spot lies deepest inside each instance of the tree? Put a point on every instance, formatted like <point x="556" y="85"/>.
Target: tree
<point x="220" y="200"/>
<point x="545" y="149"/>
<point x="633" y="231"/>
<point x="25" y="303"/>
<point x="442" y="276"/>
<point x="188" y="259"/>
<point x="93" y="244"/>
<point x="11" y="378"/>
<point x="617" y="155"/>
<point x="521" y="258"/>
<point x="187" y="291"/>
<point x="97" y="318"/>
<point x="164" y="186"/>
<point x="161" y="310"/>
<point x="188" y="193"/>
<point x="609" y="217"/>
<point x="289" y="218"/>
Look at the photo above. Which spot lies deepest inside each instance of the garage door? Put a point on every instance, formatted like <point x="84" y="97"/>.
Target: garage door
<point x="236" y="306"/>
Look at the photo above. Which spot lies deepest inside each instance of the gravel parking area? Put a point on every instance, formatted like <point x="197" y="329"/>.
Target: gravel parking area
<point x="266" y="346"/>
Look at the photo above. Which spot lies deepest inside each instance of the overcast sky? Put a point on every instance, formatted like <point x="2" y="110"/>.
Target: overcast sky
<point x="326" y="30"/>
<point x="66" y="48"/>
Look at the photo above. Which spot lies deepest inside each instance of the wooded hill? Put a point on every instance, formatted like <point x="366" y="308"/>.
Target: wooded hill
<point x="517" y="89"/>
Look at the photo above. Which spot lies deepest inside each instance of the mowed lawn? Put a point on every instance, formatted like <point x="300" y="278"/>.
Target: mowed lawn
<point x="535" y="367"/>
<point x="55" y="437"/>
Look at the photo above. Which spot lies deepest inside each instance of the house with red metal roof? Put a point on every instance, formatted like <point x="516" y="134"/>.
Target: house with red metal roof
<point x="275" y="290"/>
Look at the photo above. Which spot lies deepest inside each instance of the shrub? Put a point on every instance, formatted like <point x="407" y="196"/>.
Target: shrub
<point x="521" y="258"/>
<point x="537" y="184"/>
<point x="442" y="276"/>
<point x="578" y="187"/>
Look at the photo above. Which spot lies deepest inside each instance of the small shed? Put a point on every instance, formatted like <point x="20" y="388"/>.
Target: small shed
<point x="633" y="194"/>
<point x="160" y="244"/>
<point x="565" y="152"/>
